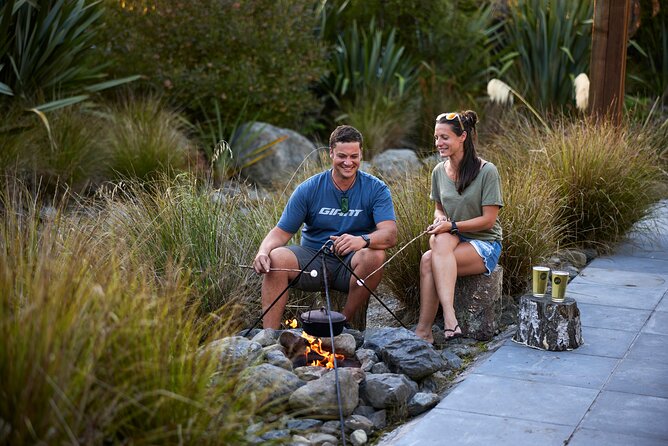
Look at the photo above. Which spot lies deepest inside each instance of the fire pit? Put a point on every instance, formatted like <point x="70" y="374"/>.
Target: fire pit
<point x="306" y="350"/>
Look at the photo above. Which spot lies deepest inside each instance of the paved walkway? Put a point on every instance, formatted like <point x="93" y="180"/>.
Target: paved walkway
<point x="611" y="391"/>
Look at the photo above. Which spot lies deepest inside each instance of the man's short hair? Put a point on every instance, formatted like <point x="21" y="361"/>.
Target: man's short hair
<point x="345" y="133"/>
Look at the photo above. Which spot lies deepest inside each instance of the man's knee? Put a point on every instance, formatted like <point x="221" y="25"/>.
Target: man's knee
<point x="283" y="257"/>
<point x="369" y="257"/>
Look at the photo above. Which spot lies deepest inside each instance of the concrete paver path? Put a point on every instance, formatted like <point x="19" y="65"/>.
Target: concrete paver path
<point x="613" y="390"/>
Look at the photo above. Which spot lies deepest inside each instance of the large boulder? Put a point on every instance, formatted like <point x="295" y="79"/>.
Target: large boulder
<point x="393" y="163"/>
<point x="284" y="157"/>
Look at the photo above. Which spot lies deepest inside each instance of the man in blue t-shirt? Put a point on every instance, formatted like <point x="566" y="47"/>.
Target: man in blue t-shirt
<point x="344" y="205"/>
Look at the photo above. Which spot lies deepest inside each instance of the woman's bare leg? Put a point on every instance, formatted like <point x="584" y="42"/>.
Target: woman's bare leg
<point x="428" y="299"/>
<point x="444" y="262"/>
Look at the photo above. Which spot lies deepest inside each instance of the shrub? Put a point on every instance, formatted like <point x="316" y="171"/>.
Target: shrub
<point x="453" y="42"/>
<point x="72" y="153"/>
<point x="372" y="82"/>
<point x="257" y="54"/>
<point x="531" y="219"/>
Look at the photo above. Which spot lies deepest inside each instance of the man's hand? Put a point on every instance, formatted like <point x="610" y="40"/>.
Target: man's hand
<point x="346" y="243"/>
<point x="262" y="263"/>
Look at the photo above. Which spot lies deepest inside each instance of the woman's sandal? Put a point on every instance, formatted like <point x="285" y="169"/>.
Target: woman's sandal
<point x="452" y="330"/>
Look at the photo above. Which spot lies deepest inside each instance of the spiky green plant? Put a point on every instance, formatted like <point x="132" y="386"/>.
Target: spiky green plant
<point x="546" y="44"/>
<point x="372" y="83"/>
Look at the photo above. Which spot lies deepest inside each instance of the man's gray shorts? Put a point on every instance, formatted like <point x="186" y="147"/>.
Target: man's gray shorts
<point x="339" y="275"/>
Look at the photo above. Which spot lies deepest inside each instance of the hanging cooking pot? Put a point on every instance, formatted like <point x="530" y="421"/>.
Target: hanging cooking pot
<point x="316" y="322"/>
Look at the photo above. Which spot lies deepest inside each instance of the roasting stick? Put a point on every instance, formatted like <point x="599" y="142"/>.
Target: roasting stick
<point x="360" y="282"/>
<point x="312" y="273"/>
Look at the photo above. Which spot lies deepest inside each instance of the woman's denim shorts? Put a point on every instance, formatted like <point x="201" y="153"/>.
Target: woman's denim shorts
<point x="490" y="251"/>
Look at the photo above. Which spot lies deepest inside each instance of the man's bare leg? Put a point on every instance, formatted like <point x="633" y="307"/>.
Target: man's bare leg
<point x="364" y="262"/>
<point x="274" y="282"/>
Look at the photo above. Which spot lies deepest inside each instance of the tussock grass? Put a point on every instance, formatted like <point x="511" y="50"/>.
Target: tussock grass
<point x="146" y="139"/>
<point x="414" y="211"/>
<point x="533" y="228"/>
<point x="208" y="234"/>
<point x="94" y="349"/>
<point x="607" y="176"/>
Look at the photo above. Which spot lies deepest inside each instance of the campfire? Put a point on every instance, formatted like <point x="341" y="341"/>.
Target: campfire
<point x="307" y="350"/>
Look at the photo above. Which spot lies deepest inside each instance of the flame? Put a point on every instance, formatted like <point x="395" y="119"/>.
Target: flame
<point x="316" y="347"/>
<point x="291" y="323"/>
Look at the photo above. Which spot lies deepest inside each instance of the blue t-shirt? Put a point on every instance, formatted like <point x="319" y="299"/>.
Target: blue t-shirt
<point x="316" y="203"/>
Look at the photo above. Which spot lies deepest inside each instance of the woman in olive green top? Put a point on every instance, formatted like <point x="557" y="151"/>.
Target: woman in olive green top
<point x="466" y="234"/>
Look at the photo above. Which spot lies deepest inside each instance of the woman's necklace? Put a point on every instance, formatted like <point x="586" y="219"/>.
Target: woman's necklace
<point x="345" y="205"/>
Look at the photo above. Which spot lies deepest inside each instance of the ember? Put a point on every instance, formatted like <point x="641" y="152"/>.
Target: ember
<point x="291" y="323"/>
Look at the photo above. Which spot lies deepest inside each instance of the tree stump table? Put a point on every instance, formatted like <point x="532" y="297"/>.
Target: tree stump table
<point x="547" y="324"/>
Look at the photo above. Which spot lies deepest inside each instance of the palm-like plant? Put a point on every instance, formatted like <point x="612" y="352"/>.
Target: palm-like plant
<point x="43" y="45"/>
<point x="547" y="44"/>
<point x="371" y="77"/>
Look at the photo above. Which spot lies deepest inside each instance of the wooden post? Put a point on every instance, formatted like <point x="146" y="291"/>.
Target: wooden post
<point x="608" y="58"/>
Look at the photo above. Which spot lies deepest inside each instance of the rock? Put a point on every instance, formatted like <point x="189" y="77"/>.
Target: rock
<point x="549" y="325"/>
<point x="413" y="358"/>
<point x="358" y="438"/>
<point x="303" y="425"/>
<point x="235" y="352"/>
<point x="318" y="398"/>
<point x="277" y="358"/>
<point x="355" y="422"/>
<point x="320" y="439"/>
<point x="379" y="419"/>
<point x="284" y="158"/>
<point x="298" y="440"/>
<point x="574" y="256"/>
<point x="478" y="304"/>
<point x="453" y="362"/>
<point x="436" y="383"/>
<point x="396" y="163"/>
<point x="272" y="385"/>
<point x="378" y="338"/>
<point x="344" y="344"/>
<point x="277" y="434"/>
<point x="367" y="358"/>
<point x="265" y="337"/>
<point x="380" y="367"/>
<point x="388" y="390"/>
<point x="422" y="402"/>
<point x="310" y="372"/>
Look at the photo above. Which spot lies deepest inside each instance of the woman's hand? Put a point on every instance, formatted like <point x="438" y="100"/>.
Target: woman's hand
<point x="439" y="226"/>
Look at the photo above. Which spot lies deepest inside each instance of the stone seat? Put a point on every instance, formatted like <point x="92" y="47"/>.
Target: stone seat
<point x="478" y="304"/>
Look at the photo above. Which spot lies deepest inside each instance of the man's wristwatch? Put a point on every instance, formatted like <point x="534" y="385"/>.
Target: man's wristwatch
<point x="454" y="229"/>
<point x="367" y="239"/>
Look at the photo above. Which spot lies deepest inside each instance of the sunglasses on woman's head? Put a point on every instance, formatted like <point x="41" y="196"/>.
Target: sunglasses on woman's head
<point x="451" y="117"/>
